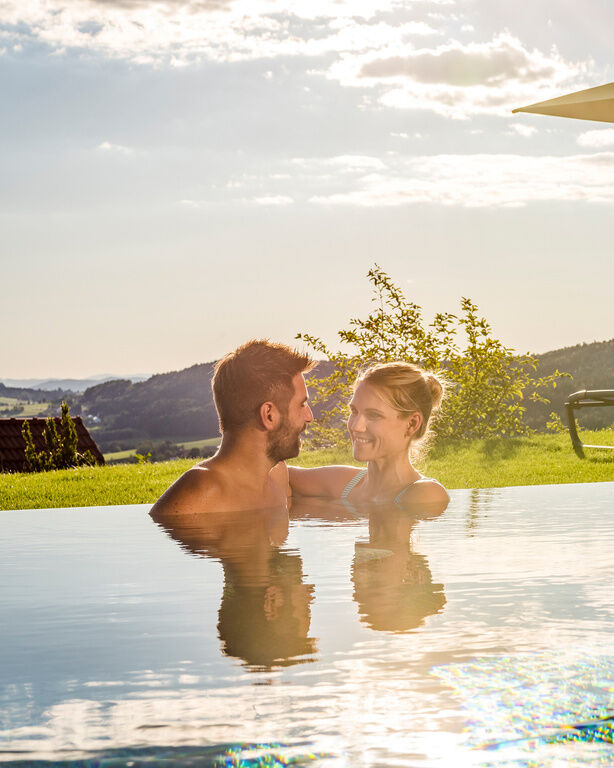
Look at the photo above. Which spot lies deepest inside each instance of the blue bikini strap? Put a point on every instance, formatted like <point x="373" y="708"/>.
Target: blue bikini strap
<point x="353" y="483"/>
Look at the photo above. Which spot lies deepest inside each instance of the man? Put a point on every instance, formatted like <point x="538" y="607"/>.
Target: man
<point x="262" y="404"/>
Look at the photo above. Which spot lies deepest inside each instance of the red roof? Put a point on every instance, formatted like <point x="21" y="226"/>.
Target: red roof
<point x="13" y="446"/>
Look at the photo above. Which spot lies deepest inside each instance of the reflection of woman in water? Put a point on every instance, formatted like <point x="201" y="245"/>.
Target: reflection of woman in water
<point x="393" y="586"/>
<point x="389" y="415"/>
<point x="265" y="613"/>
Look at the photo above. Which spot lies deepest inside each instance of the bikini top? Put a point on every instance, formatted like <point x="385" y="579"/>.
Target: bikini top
<point x="359" y="476"/>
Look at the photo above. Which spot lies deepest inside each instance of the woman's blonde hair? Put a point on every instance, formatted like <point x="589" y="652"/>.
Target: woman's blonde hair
<point x="407" y="388"/>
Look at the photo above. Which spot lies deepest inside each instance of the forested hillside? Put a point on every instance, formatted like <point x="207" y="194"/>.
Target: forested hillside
<point x="592" y="367"/>
<point x="32" y="395"/>
<point x="176" y="405"/>
<point x="592" y="364"/>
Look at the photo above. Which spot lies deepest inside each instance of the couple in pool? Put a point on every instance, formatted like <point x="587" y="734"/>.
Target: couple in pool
<point x="263" y="407"/>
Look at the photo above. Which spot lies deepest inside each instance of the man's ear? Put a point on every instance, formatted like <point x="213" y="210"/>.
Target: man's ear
<point x="269" y="416"/>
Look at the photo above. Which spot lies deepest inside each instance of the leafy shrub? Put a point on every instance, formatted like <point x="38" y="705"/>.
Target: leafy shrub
<point x="555" y="424"/>
<point x="489" y="383"/>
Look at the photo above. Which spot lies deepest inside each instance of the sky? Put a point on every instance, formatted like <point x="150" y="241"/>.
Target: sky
<point x="178" y="176"/>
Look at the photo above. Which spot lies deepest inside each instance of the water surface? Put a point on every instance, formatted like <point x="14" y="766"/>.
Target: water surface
<point x="337" y="637"/>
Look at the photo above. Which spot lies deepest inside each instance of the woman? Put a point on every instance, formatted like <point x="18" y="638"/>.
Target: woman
<point x="389" y="413"/>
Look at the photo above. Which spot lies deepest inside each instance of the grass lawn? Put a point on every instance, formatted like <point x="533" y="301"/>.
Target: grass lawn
<point x="542" y="459"/>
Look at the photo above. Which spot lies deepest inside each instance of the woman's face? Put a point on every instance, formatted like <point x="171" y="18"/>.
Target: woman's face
<point x="376" y="428"/>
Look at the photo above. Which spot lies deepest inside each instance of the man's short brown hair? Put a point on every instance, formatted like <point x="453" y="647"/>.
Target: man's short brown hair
<point x="257" y="372"/>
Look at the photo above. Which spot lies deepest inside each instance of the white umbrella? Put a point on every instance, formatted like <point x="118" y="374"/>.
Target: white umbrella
<point x="591" y="104"/>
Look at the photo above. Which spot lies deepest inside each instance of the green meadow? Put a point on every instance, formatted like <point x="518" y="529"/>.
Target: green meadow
<point x="537" y="460"/>
<point x="29" y="409"/>
<point x="187" y="445"/>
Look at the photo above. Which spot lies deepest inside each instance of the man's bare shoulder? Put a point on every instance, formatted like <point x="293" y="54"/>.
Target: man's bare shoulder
<point x="198" y="490"/>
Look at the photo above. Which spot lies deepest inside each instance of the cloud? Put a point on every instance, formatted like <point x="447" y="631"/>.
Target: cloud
<point x="106" y="146"/>
<point x="521" y="129"/>
<point x="180" y="32"/>
<point x="365" y="9"/>
<point x="455" y="180"/>
<point x="597" y="139"/>
<point x="460" y="79"/>
<point x="272" y="200"/>
<point x="340" y="163"/>
<point x="216" y="199"/>
<point x="388" y="49"/>
<point x="351" y="163"/>
<point x="195" y="5"/>
<point x="495" y="62"/>
<point x="481" y="180"/>
<point x="193" y="203"/>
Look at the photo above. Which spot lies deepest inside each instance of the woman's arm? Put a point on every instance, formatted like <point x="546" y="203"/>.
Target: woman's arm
<point x="327" y="482"/>
<point x="279" y="474"/>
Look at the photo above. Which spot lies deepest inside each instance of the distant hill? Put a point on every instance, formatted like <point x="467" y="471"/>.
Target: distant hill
<point x="67" y="385"/>
<point x="32" y="395"/>
<point x="592" y="367"/>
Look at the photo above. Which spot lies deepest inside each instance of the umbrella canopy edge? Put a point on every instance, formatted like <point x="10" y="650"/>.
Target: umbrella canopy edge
<point x="590" y="104"/>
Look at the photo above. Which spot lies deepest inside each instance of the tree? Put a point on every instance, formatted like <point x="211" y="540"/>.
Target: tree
<point x="488" y="383"/>
<point x="32" y="459"/>
<point x="60" y="450"/>
<point x="68" y="447"/>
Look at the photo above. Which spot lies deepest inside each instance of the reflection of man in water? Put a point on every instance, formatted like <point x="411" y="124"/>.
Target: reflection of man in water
<point x="264" y="615"/>
<point x="262" y="404"/>
<point x="393" y="586"/>
<point x="267" y="624"/>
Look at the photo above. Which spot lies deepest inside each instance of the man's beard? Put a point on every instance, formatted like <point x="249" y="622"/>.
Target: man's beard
<point x="284" y="443"/>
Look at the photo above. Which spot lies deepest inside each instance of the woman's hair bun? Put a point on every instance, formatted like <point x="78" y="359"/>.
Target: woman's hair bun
<point x="435" y="387"/>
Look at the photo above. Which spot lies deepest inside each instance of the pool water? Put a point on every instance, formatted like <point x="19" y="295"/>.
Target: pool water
<point x="337" y="637"/>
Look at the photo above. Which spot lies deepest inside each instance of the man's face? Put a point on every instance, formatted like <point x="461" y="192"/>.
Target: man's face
<point x="285" y="441"/>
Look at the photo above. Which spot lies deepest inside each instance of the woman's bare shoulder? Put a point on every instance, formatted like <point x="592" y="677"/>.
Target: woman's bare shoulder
<point x="429" y="489"/>
<point x="328" y="482"/>
<point x="427" y="495"/>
